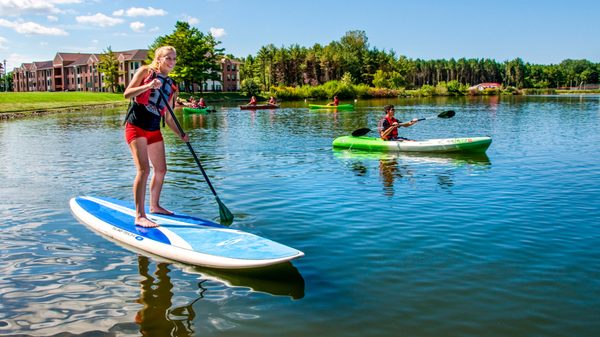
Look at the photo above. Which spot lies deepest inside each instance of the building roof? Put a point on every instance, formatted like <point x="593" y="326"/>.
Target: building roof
<point x="133" y="55"/>
<point x="41" y="65"/>
<point x="490" y="84"/>
<point x="67" y="59"/>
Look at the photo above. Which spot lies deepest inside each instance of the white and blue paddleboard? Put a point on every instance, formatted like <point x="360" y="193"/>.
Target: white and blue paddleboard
<point x="181" y="237"/>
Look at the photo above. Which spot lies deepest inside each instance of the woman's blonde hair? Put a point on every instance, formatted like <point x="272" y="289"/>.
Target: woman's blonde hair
<point x="160" y="52"/>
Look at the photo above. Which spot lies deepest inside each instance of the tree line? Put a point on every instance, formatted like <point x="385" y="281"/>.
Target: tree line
<point x="350" y="61"/>
<point x="352" y="56"/>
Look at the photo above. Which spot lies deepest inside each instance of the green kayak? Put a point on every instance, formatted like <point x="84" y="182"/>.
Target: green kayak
<point x="324" y="106"/>
<point x="445" y="145"/>
<point x="195" y="110"/>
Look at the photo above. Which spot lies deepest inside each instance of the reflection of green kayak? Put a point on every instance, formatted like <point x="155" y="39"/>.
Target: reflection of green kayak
<point x="324" y="106"/>
<point x="477" y="158"/>
<point x="195" y="110"/>
<point x="446" y="145"/>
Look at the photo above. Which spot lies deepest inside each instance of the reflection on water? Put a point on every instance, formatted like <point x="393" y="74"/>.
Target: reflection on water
<point x="158" y="317"/>
<point x="410" y="166"/>
<point x="281" y="280"/>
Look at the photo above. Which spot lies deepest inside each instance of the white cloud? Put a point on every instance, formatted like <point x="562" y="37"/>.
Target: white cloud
<point x="191" y="20"/>
<point x="18" y="7"/>
<point x="3" y="43"/>
<point x="52" y="18"/>
<point x="154" y="30"/>
<point x="217" y="32"/>
<point x="31" y="28"/>
<point x="15" y="60"/>
<point x="137" y="26"/>
<point x="137" y="11"/>
<point x="99" y="19"/>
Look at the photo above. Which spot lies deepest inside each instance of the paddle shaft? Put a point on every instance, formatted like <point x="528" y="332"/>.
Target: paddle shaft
<point x="364" y="131"/>
<point x="188" y="143"/>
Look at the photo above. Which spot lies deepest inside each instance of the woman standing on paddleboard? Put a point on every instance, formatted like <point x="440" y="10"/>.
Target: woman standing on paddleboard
<point x="142" y="129"/>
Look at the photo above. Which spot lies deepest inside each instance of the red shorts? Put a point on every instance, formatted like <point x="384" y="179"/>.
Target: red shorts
<point x="132" y="132"/>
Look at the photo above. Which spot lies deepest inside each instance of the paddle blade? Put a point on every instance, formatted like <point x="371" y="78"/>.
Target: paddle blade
<point x="360" y="132"/>
<point x="447" y="114"/>
<point x="224" y="213"/>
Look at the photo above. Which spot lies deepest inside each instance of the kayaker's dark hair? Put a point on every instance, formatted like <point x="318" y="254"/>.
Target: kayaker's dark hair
<point x="388" y="108"/>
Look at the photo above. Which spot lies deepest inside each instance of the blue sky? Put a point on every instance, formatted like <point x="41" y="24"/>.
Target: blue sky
<point x="542" y="32"/>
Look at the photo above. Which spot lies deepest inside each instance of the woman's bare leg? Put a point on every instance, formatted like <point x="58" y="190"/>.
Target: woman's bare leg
<point x="156" y="153"/>
<point x="139" y="151"/>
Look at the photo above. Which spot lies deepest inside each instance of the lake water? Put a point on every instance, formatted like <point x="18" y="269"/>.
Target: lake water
<point x="503" y="244"/>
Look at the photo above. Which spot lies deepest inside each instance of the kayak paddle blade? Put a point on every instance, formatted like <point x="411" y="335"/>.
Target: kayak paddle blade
<point x="447" y="114"/>
<point x="360" y="132"/>
<point x="224" y="213"/>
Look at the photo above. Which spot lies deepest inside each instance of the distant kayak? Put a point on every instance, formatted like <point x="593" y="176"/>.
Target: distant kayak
<point x="445" y="145"/>
<point x="259" y="106"/>
<point x="195" y="110"/>
<point x="337" y="107"/>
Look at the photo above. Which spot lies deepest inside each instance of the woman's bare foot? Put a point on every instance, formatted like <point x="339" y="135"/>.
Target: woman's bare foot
<point x="160" y="210"/>
<point x="145" y="222"/>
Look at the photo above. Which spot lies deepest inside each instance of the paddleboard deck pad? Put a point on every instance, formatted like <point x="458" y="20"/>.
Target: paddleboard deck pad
<point x="181" y="237"/>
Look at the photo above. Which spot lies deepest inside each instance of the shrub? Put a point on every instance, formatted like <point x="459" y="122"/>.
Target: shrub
<point x="427" y="90"/>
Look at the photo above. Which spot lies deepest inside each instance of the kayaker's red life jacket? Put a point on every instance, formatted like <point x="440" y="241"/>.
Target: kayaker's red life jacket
<point x="387" y="123"/>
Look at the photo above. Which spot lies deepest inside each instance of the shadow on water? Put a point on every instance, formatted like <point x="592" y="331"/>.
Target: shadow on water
<point x="396" y="166"/>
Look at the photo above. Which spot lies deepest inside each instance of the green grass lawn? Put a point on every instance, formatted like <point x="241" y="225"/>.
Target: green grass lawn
<point x="18" y="102"/>
<point x="38" y="101"/>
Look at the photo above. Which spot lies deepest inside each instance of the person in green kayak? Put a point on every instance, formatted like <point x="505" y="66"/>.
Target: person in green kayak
<point x="194" y="103"/>
<point x="388" y="125"/>
<point x="335" y="102"/>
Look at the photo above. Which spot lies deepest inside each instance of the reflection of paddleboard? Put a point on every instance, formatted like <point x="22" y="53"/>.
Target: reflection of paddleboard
<point x="181" y="237"/>
<point x="281" y="280"/>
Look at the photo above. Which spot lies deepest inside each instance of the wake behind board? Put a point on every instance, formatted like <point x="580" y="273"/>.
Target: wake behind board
<point x="181" y="237"/>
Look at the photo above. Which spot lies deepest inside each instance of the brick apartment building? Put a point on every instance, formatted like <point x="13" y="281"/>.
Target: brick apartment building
<point x="79" y="72"/>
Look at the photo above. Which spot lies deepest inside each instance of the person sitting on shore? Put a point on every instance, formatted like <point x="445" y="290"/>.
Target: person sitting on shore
<point x="335" y="102"/>
<point x="272" y="101"/>
<point x="388" y="125"/>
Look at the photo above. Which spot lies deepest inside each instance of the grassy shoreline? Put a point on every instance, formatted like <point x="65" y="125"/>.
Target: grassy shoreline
<point x="23" y="104"/>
